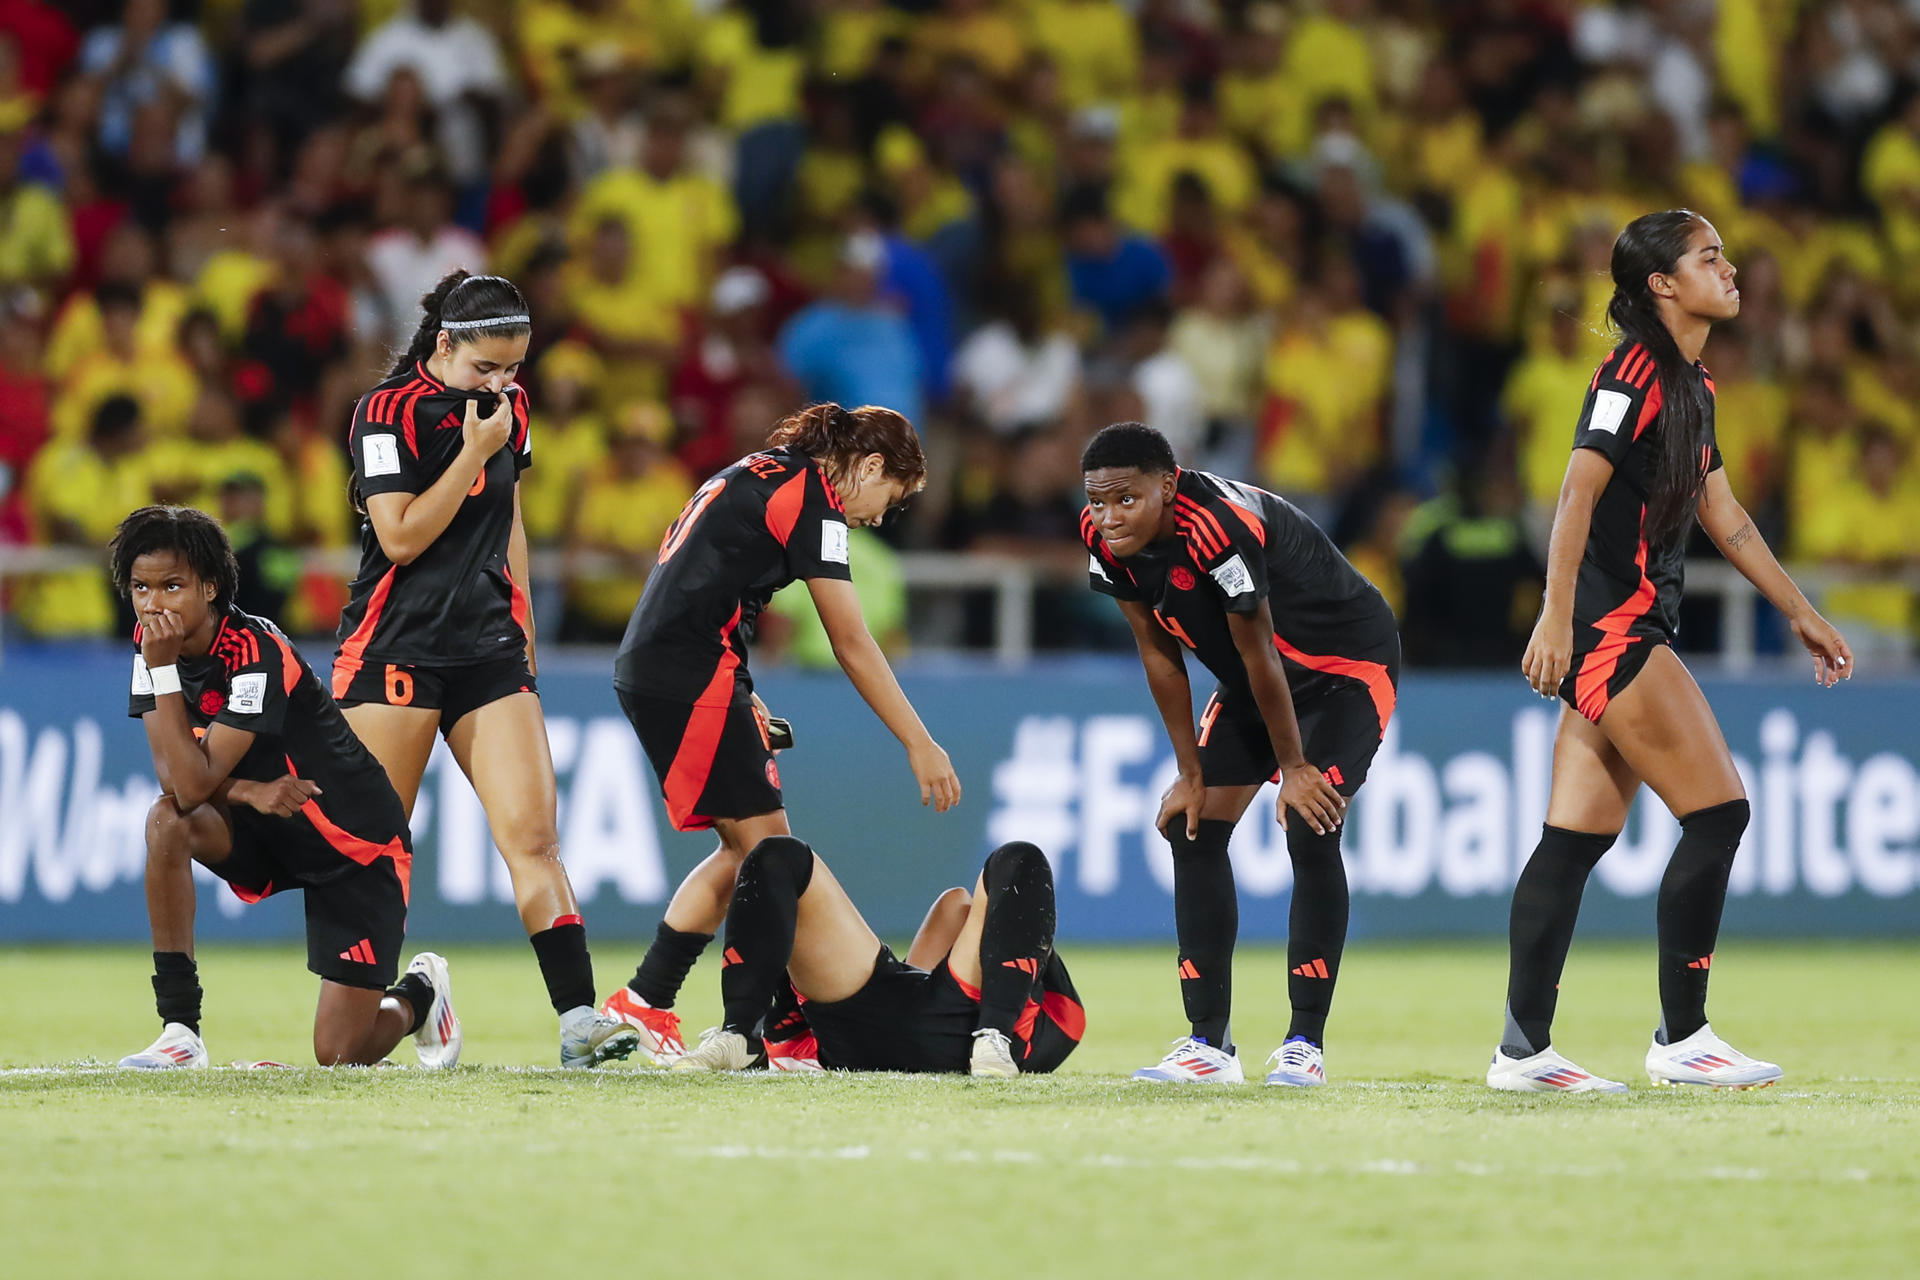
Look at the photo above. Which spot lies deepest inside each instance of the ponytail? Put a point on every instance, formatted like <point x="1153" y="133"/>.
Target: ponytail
<point x="1654" y="244"/>
<point x="837" y="437"/>
<point x="467" y="307"/>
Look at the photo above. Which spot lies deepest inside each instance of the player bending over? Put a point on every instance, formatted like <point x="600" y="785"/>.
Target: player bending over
<point x="265" y="785"/>
<point x="982" y="989"/>
<point x="1307" y="658"/>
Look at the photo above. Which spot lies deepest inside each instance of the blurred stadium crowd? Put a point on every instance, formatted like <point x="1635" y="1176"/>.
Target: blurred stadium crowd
<point x="1352" y="250"/>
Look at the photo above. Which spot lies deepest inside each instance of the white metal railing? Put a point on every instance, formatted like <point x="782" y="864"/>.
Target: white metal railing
<point x="1012" y="582"/>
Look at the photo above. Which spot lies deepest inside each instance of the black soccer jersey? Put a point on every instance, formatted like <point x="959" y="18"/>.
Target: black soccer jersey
<point x="457" y="603"/>
<point x="254" y="679"/>
<point x="1627" y="587"/>
<point x="1234" y="546"/>
<point x="768" y="520"/>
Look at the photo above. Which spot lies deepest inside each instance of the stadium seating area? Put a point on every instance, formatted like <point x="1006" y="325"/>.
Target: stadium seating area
<point x="1353" y="250"/>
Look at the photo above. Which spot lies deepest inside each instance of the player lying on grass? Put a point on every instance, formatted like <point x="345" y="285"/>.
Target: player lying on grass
<point x="982" y="989"/>
<point x="265" y="785"/>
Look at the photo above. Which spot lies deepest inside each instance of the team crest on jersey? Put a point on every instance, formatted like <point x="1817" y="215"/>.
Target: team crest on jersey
<point x="1181" y="578"/>
<point x="212" y="702"/>
<point x="773" y="775"/>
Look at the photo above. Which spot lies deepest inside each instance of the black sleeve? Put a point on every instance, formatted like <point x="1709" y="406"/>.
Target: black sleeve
<point x="140" y="691"/>
<point x="383" y="462"/>
<point x="817" y="540"/>
<point x="1105" y="573"/>
<point x="520" y="439"/>
<point x="259" y="683"/>
<point x="1233" y="557"/>
<point x="1622" y="401"/>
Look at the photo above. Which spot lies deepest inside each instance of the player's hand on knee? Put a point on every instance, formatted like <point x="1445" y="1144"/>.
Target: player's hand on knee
<point x="1306" y="791"/>
<point x="281" y="798"/>
<point x="1549" y="656"/>
<point x="939" y="785"/>
<point x="1184" y="799"/>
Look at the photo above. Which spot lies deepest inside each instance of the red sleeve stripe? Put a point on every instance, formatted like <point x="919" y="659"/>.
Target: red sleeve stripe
<point x="783" y="508"/>
<point x="833" y="495"/>
<point x="1255" y="525"/>
<point x="1196" y="540"/>
<point x="1204" y="524"/>
<point x="289" y="663"/>
<point x="1649" y="410"/>
<point x="520" y="419"/>
<point x="1601" y="371"/>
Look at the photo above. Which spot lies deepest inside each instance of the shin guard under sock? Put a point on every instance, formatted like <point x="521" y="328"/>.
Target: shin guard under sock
<point x="666" y="965"/>
<point x="1693" y="893"/>
<point x="1017" y="936"/>
<point x="760" y="928"/>
<point x="565" y="964"/>
<point x="176" y="989"/>
<point x="1206" y="915"/>
<point x="1546" y="902"/>
<point x="1316" y="927"/>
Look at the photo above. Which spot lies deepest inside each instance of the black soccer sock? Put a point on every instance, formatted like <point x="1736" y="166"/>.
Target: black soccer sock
<point x="1693" y="893"/>
<point x="760" y="928"/>
<point x="565" y="964"/>
<point x="1206" y="918"/>
<point x="176" y="989"/>
<point x="1017" y="936"/>
<point x="787" y="1018"/>
<point x="414" y="991"/>
<point x="666" y="965"/>
<point x="1546" y="902"/>
<point x="1316" y="927"/>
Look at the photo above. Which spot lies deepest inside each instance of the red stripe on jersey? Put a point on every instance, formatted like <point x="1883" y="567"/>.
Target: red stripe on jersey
<point x="1198" y="542"/>
<point x="833" y="494"/>
<point x="520" y="419"/>
<point x="407" y="425"/>
<point x="1602" y="369"/>
<point x="1628" y="361"/>
<point x="1649" y="409"/>
<point x="693" y="762"/>
<point x="1255" y="525"/>
<point x="519" y="606"/>
<point x="1372" y="674"/>
<point x="1206" y="520"/>
<point x="353" y="651"/>
<point x="351" y="846"/>
<point x="1065" y="1013"/>
<point x="783" y="508"/>
<point x="1590" y="694"/>
<point x="289" y="663"/>
<point x="1645" y="370"/>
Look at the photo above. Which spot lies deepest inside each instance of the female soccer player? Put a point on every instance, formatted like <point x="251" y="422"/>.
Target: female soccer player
<point x="982" y="989"/>
<point x="769" y="519"/>
<point x="1307" y="658"/>
<point x="265" y="786"/>
<point x="1644" y="467"/>
<point x="438" y="635"/>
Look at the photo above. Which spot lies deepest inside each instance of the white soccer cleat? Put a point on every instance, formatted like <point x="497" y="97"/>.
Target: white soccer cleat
<point x="658" y="1029"/>
<point x="1192" y="1062"/>
<point x="1704" y="1058"/>
<point x="1545" y="1072"/>
<point x="717" y="1051"/>
<point x="438" y="1039"/>
<point x="178" y="1046"/>
<point x="589" y="1038"/>
<point x="992" y="1055"/>
<point x="1299" y="1063"/>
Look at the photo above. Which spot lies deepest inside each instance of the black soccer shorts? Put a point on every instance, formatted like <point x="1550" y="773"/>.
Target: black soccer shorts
<point x="1339" y="733"/>
<point x="712" y="761"/>
<point x="452" y="691"/>
<point x="1604" y="663"/>
<point x="356" y="913"/>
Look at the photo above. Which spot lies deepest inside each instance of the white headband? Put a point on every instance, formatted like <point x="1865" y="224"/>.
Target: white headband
<point x="495" y="322"/>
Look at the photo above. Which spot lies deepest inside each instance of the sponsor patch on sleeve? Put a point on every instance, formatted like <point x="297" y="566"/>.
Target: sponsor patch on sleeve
<point x="1233" y="576"/>
<point x="249" y="695"/>
<point x="1609" y="411"/>
<point x="142" y="678"/>
<point x="380" y="455"/>
<point x="833" y="542"/>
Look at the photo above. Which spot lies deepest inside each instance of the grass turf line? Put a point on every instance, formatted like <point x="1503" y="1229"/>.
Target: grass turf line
<point x="1403" y="1165"/>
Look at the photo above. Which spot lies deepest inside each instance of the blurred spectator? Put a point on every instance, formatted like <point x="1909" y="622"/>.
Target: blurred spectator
<point x="1169" y="393"/>
<point x="912" y="277"/>
<point x="24" y="395"/>
<point x="572" y="441"/>
<point x="1092" y="42"/>
<point x="1021" y="371"/>
<point x="77" y="492"/>
<point x="1541" y="405"/>
<point x="458" y="64"/>
<point x="1473" y="586"/>
<point x="44" y="43"/>
<point x="752" y="62"/>
<point x="790" y="629"/>
<point x="188" y="470"/>
<point x="728" y="350"/>
<point x="1222" y="339"/>
<point x="851" y="347"/>
<point x="408" y="259"/>
<point x="131" y="263"/>
<point x="1869" y="521"/>
<point x="36" y="242"/>
<point x="155" y="375"/>
<point x="269" y="571"/>
<point x="294" y="52"/>
<point x="146" y="63"/>
<point x="1112" y="272"/>
<point x="623" y="512"/>
<point x="614" y="313"/>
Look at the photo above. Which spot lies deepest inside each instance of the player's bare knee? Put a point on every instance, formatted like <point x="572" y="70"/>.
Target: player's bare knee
<point x="532" y="846"/>
<point x="169" y="833"/>
<point x="335" y="1049"/>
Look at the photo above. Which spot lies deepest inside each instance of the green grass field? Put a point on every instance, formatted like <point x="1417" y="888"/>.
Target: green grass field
<point x="1404" y="1165"/>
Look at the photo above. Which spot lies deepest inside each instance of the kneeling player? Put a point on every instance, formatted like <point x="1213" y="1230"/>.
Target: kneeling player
<point x="265" y="785"/>
<point x="995" y="999"/>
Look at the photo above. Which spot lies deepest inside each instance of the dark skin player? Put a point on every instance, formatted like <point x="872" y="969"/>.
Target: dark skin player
<point x="1133" y="509"/>
<point x="351" y="1025"/>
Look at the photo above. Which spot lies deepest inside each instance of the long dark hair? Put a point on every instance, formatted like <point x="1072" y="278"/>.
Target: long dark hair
<point x="462" y="299"/>
<point x="1654" y="243"/>
<point x="837" y="437"/>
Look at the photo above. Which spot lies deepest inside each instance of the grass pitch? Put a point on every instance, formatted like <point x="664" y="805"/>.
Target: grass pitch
<point x="1404" y="1165"/>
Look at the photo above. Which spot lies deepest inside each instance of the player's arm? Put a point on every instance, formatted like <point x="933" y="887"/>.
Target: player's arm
<point x="517" y="566"/>
<point x="408" y="523"/>
<point x="1166" y="669"/>
<point x="855" y="649"/>
<point x="191" y="771"/>
<point x="1549" y="653"/>
<point x="1733" y="531"/>
<point x="1302" y="788"/>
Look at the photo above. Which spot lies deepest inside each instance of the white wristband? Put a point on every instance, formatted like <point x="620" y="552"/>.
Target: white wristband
<point x="165" y="679"/>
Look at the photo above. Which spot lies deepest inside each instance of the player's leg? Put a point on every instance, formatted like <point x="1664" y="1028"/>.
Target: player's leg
<point x="788" y="917"/>
<point x="400" y="738"/>
<point x="356" y="1027"/>
<point x="935" y="937"/>
<point x="1593" y="787"/>
<point x="502" y="748"/>
<point x="356" y="927"/>
<point x="175" y="840"/>
<point x="1003" y="945"/>
<point x="1665" y="730"/>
